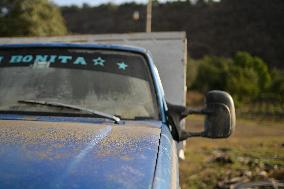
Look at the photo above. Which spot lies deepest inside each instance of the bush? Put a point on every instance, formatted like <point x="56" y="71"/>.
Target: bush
<point x="210" y="74"/>
<point x="30" y="18"/>
<point x="245" y="76"/>
<point x="277" y="85"/>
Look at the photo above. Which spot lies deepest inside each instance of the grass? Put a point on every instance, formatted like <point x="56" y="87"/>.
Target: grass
<point x="254" y="152"/>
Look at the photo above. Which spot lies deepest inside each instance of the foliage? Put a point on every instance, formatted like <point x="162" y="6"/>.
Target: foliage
<point x="30" y="18"/>
<point x="246" y="61"/>
<point x="277" y="86"/>
<point x="245" y="76"/>
<point x="210" y="73"/>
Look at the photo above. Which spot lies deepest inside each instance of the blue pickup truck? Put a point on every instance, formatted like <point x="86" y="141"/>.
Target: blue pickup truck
<point x="93" y="116"/>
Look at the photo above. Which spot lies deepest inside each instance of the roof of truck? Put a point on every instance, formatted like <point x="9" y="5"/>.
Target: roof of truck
<point x="78" y="45"/>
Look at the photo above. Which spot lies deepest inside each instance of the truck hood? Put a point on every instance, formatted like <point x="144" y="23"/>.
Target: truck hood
<point x="37" y="154"/>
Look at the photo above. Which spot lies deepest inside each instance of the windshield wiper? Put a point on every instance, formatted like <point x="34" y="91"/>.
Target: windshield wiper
<point x="72" y="107"/>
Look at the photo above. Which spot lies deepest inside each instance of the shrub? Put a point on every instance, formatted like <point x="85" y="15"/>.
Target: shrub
<point x="31" y="18"/>
<point x="245" y="76"/>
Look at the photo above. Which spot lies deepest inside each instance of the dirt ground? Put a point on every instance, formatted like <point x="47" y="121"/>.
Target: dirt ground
<point x="255" y="152"/>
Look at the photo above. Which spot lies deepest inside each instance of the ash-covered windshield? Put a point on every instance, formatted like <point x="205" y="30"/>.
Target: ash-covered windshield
<point x="114" y="82"/>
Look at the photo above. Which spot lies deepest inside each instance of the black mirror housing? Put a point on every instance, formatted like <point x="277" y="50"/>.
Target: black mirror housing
<point x="220" y="118"/>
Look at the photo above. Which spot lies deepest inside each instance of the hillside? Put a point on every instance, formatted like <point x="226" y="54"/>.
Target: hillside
<point x="213" y="28"/>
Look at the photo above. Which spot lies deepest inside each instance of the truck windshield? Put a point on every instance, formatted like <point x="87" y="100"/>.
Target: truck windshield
<point x="114" y="82"/>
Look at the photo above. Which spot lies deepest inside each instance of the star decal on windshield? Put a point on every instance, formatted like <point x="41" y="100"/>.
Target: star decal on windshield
<point x="122" y="66"/>
<point x="99" y="61"/>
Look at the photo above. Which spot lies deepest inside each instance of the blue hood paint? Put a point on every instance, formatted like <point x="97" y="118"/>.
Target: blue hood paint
<point x="38" y="154"/>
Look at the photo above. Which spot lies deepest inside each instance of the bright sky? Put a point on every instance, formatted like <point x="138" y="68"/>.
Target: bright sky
<point x="97" y="2"/>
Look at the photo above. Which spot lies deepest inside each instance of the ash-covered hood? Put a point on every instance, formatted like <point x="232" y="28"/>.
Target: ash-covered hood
<point x="36" y="154"/>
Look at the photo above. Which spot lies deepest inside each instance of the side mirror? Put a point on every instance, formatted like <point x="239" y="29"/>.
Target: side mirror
<point x="220" y="117"/>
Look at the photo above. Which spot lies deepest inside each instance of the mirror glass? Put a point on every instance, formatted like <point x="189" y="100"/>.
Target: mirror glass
<point x="220" y="116"/>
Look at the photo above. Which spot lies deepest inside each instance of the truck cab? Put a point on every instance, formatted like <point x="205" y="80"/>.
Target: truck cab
<point x="93" y="116"/>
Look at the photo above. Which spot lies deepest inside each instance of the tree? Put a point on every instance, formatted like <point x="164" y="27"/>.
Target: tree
<point x="246" y="61"/>
<point x="212" y="73"/>
<point x="31" y="18"/>
<point x="245" y="76"/>
<point x="277" y="86"/>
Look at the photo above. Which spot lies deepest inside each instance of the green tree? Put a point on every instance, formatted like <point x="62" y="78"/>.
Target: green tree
<point x="242" y="83"/>
<point x="246" y="77"/>
<point x="277" y="85"/>
<point x="246" y="61"/>
<point x="212" y="73"/>
<point x="31" y="18"/>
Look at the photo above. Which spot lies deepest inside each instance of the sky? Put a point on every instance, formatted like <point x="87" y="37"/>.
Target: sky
<point x="95" y="2"/>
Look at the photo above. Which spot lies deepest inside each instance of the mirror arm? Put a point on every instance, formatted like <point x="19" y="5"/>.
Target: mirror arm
<point x="185" y="135"/>
<point x="190" y="111"/>
<point x="176" y="113"/>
